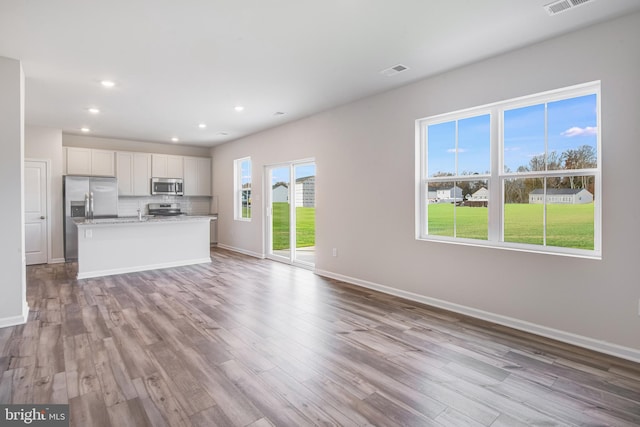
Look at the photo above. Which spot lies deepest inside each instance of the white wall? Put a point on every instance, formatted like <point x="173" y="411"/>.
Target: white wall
<point x="69" y="140"/>
<point x="46" y="144"/>
<point x="13" y="305"/>
<point x="364" y="153"/>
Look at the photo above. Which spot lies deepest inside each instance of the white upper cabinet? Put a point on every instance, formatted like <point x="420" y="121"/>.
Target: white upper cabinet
<point x="78" y="161"/>
<point x="133" y="171"/>
<point x="87" y="161"/>
<point x="167" y="166"/>
<point x="124" y="173"/>
<point x="142" y="174"/>
<point x="197" y="176"/>
<point x="102" y="163"/>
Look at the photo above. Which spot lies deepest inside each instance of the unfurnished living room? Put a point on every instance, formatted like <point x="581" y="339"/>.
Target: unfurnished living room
<point x="301" y="213"/>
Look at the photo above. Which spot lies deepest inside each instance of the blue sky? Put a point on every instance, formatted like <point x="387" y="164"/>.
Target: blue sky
<point x="571" y="124"/>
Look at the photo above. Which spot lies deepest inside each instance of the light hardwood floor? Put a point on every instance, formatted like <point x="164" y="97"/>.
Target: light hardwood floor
<point x="248" y="342"/>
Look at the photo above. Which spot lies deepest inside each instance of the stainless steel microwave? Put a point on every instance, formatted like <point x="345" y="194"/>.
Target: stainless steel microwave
<point x="167" y="186"/>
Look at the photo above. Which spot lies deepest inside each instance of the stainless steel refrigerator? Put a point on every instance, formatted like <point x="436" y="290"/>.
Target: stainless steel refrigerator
<point x="86" y="197"/>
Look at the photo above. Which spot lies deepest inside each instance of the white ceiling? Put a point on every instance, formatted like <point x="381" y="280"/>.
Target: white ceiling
<point x="180" y="63"/>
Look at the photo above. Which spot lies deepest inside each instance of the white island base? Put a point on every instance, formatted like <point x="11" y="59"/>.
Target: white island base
<point x="116" y="246"/>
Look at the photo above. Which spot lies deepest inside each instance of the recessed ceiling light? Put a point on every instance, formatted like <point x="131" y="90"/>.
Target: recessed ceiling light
<point x="94" y="110"/>
<point x="174" y="139"/>
<point x="202" y="125"/>
<point x="238" y="108"/>
<point x="107" y="83"/>
<point x="85" y="129"/>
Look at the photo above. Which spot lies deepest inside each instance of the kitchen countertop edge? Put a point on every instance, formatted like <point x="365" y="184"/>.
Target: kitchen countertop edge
<point x="135" y="221"/>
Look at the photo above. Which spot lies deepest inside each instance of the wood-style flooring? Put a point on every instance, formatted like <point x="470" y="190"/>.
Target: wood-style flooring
<point x="249" y="342"/>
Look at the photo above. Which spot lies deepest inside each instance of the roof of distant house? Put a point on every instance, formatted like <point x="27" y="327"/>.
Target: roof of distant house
<point x="305" y="178"/>
<point x="558" y="191"/>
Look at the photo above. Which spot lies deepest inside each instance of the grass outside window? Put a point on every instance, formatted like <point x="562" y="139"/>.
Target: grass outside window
<point x="568" y="226"/>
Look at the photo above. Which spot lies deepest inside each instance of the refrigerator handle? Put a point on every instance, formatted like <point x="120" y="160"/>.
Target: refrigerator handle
<point x="87" y="206"/>
<point x="91" y="203"/>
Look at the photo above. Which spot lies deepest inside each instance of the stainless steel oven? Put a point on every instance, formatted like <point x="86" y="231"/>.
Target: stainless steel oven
<point x="167" y="186"/>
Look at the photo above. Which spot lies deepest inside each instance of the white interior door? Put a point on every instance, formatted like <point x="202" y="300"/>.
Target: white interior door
<point x="35" y="211"/>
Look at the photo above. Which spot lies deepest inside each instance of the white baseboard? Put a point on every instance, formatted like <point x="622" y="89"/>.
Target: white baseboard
<point x="111" y="272"/>
<point x="242" y="251"/>
<point x="56" y="261"/>
<point x="16" y="320"/>
<point x="563" y="336"/>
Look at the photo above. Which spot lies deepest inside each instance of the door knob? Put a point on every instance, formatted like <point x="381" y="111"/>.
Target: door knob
<point x="42" y="217"/>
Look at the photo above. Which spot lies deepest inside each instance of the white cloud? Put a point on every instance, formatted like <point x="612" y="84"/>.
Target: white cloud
<point x="453" y="150"/>
<point x="577" y="131"/>
<point x="532" y="155"/>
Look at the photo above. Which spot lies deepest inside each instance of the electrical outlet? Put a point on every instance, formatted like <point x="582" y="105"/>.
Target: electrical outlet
<point x="335" y="251"/>
<point x="88" y="233"/>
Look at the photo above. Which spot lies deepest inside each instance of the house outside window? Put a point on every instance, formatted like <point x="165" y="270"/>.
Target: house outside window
<point x="242" y="189"/>
<point x="521" y="174"/>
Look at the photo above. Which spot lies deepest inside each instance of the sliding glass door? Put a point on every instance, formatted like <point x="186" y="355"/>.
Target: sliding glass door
<point x="291" y="230"/>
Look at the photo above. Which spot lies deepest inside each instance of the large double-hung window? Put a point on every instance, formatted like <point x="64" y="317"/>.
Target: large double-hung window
<point x="521" y="174"/>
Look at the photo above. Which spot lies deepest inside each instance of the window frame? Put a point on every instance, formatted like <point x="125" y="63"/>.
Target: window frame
<point x="497" y="177"/>
<point x="238" y="189"/>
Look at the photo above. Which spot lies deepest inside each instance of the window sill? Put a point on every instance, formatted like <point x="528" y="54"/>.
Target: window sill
<point x="519" y="247"/>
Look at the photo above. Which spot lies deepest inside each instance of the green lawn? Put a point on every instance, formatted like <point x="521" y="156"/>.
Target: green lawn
<point x="569" y="226"/>
<point x="305" y="225"/>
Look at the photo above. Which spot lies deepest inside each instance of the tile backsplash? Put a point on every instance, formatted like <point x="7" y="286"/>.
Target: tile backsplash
<point x="128" y="206"/>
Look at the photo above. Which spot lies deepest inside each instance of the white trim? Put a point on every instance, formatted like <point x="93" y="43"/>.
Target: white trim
<point x="16" y="320"/>
<point x="497" y="177"/>
<point x="57" y="261"/>
<point x="110" y="272"/>
<point x="268" y="210"/>
<point x="237" y="188"/>
<point x="241" y="251"/>
<point x="605" y="347"/>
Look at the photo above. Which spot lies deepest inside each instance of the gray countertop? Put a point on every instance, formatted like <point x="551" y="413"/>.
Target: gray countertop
<point x="82" y="222"/>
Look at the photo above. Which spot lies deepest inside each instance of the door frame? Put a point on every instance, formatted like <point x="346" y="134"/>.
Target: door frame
<point x="292" y="211"/>
<point x="47" y="164"/>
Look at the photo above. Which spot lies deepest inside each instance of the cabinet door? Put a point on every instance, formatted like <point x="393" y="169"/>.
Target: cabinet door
<point x="175" y="167"/>
<point x="190" y="176"/>
<point x="78" y="161"/>
<point x="102" y="163"/>
<point x="124" y="173"/>
<point x="141" y="174"/>
<point x="197" y="176"/>
<point x="159" y="166"/>
<point x="204" y="176"/>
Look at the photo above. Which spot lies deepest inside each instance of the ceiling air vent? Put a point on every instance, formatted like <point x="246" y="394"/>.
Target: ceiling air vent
<point x="394" y="70"/>
<point x="563" y="5"/>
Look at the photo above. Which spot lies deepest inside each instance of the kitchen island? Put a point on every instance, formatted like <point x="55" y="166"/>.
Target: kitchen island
<point x="124" y="245"/>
